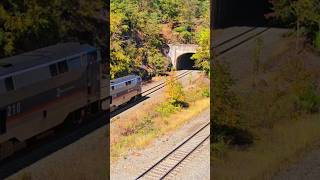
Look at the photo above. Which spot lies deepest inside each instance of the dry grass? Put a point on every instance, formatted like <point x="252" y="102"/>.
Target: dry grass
<point x="138" y="130"/>
<point x="274" y="149"/>
<point x="121" y="126"/>
<point x="162" y="125"/>
<point x="283" y="137"/>
<point x="176" y="120"/>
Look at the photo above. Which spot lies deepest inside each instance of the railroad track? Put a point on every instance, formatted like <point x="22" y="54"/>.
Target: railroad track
<point x="163" y="84"/>
<point x="234" y="37"/>
<point x="238" y="40"/>
<point x="166" y="165"/>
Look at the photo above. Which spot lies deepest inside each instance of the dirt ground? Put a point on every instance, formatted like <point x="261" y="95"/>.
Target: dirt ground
<point x="308" y="168"/>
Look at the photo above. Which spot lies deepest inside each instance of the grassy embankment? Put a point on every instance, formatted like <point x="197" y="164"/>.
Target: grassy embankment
<point x="279" y="111"/>
<point x="273" y="150"/>
<point x="156" y="119"/>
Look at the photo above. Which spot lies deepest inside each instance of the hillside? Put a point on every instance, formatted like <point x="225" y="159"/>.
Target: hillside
<point x="140" y="30"/>
<point x="26" y="25"/>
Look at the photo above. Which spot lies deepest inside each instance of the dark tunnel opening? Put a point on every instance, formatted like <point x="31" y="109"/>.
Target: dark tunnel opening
<point x="229" y="13"/>
<point x="184" y="62"/>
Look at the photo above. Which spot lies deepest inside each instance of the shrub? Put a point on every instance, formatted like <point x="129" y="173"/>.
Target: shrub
<point x="225" y="103"/>
<point x="205" y="92"/>
<point x="165" y="109"/>
<point x="127" y="130"/>
<point x="317" y="40"/>
<point x="174" y="92"/>
<point x="309" y="101"/>
<point x="219" y="147"/>
<point x="146" y="125"/>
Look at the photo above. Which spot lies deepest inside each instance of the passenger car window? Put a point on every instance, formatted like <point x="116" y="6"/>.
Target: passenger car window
<point x="53" y="70"/>
<point x="63" y="67"/>
<point x="9" y="83"/>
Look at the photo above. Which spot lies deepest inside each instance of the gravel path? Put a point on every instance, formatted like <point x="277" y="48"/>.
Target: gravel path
<point x="196" y="166"/>
<point x="135" y="163"/>
<point x="306" y="169"/>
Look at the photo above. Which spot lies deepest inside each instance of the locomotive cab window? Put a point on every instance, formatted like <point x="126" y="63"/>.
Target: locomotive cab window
<point x="63" y="67"/>
<point x="9" y="83"/>
<point x="128" y="83"/>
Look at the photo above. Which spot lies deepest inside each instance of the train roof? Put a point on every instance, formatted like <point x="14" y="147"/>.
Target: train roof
<point x="41" y="56"/>
<point x="123" y="79"/>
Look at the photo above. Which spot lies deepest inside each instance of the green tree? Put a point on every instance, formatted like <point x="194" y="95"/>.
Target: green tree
<point x="32" y="24"/>
<point x="224" y="102"/>
<point x="202" y="56"/>
<point x="157" y="62"/>
<point x="136" y="26"/>
<point x="300" y="13"/>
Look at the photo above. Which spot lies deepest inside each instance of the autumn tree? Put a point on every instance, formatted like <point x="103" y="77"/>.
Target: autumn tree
<point x="174" y="91"/>
<point x="202" y="56"/>
<point x="136" y="39"/>
<point x="32" y="24"/>
<point x="300" y="13"/>
<point x="225" y="105"/>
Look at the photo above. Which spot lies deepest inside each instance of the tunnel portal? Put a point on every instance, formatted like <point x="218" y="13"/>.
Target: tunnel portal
<point x="184" y="62"/>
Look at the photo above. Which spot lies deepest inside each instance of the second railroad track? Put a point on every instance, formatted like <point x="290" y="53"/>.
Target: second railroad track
<point x="166" y="165"/>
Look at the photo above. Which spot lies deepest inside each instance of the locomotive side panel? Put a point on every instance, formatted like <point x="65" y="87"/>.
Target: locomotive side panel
<point x="36" y="108"/>
<point x="45" y="110"/>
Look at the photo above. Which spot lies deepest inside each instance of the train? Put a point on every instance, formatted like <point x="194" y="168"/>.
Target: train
<point x="123" y="90"/>
<point x="51" y="86"/>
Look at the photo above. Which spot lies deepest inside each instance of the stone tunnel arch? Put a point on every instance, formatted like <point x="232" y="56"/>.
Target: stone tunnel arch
<point x="184" y="62"/>
<point x="181" y="52"/>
